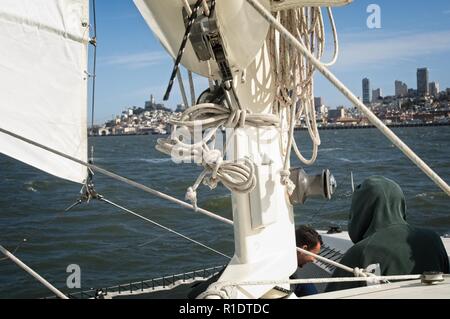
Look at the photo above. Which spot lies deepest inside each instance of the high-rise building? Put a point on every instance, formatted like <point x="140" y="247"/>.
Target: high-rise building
<point x="422" y="82"/>
<point x="366" y="91"/>
<point x="318" y="105"/>
<point x="434" y="89"/>
<point x="318" y="102"/>
<point x="376" y="95"/>
<point x="412" y="93"/>
<point x="401" y="89"/>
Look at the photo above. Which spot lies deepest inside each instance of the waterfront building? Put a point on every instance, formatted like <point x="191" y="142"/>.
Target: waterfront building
<point x="333" y="115"/>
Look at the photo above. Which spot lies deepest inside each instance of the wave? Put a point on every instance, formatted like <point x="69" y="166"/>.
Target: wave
<point x="31" y="186"/>
<point x="155" y="160"/>
<point x="362" y="161"/>
<point x="431" y="195"/>
<point x="32" y="189"/>
<point x="343" y="159"/>
<point x="330" y="149"/>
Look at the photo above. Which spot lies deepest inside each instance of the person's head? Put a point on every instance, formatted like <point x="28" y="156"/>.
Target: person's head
<point x="308" y="239"/>
<point x="377" y="203"/>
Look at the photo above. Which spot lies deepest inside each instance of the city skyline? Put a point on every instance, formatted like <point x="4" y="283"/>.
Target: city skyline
<point x="132" y="64"/>
<point x="424" y="86"/>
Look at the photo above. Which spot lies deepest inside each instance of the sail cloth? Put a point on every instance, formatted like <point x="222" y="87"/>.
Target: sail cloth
<point x="43" y="82"/>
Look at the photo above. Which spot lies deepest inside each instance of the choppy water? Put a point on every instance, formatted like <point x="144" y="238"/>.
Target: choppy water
<point x="112" y="247"/>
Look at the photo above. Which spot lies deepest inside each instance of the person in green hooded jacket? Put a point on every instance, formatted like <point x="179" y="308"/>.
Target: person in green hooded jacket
<point x="378" y="228"/>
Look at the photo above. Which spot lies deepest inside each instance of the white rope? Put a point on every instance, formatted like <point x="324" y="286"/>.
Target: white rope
<point x="335" y="38"/>
<point x="34" y="274"/>
<point x="163" y="227"/>
<point x="237" y="176"/>
<point x="187" y="7"/>
<point x="294" y="78"/>
<point x="209" y="115"/>
<point x="356" y="271"/>
<point x="372" y="279"/>
<point x="285" y="173"/>
<point x="206" y="10"/>
<point x="351" y="97"/>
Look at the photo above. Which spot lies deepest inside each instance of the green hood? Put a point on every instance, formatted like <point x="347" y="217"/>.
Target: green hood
<point x="377" y="203"/>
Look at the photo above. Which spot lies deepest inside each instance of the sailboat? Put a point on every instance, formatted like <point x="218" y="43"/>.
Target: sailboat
<point x="259" y="57"/>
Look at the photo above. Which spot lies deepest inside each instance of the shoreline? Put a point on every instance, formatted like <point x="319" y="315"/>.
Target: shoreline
<point x="344" y="127"/>
<point x="355" y="127"/>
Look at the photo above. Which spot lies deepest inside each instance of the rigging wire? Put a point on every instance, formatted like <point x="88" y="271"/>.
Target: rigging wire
<point x="118" y="177"/>
<point x="15" y="249"/>
<point x="187" y="34"/>
<point x="103" y="199"/>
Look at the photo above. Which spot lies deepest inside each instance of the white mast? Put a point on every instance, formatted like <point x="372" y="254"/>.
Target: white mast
<point x="235" y="50"/>
<point x="263" y="218"/>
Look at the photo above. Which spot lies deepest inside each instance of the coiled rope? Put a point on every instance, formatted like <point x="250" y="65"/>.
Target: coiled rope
<point x="300" y="47"/>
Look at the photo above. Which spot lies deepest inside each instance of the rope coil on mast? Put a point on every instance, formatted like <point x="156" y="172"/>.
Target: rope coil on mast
<point x="294" y="83"/>
<point x="299" y="46"/>
<point x="294" y="74"/>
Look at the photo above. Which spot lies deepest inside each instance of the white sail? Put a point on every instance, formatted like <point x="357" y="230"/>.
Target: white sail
<point x="43" y="82"/>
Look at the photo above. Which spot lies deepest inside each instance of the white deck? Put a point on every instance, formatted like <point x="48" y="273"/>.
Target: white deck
<point x="403" y="290"/>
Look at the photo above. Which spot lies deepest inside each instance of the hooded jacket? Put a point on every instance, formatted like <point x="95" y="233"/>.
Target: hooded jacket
<point x="378" y="228"/>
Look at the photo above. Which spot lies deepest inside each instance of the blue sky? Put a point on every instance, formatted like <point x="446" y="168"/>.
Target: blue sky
<point x="132" y="64"/>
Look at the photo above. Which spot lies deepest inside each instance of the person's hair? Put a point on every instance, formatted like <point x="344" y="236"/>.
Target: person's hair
<point x="305" y="235"/>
